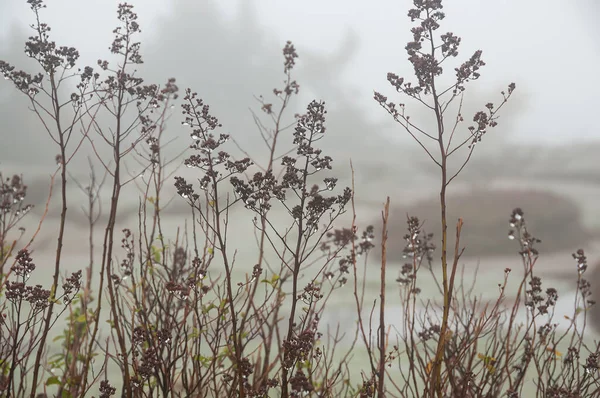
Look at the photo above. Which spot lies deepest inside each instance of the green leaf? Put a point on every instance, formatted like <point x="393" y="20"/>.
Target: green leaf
<point x="5" y="365"/>
<point x="204" y="361"/>
<point x="222" y="304"/>
<point x="155" y="254"/>
<point x="207" y="308"/>
<point x="52" y="380"/>
<point x="273" y="281"/>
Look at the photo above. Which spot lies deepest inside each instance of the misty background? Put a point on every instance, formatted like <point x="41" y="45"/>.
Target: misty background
<point x="543" y="156"/>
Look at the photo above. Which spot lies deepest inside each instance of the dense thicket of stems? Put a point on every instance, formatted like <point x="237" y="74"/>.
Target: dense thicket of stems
<point x="162" y="312"/>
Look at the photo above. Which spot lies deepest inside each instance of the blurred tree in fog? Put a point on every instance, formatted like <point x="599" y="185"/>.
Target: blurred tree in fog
<point x="229" y="61"/>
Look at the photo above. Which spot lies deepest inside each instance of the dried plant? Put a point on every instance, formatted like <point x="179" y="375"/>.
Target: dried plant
<point x="180" y="313"/>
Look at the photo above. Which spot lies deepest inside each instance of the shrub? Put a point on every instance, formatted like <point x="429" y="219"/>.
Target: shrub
<point x="557" y="218"/>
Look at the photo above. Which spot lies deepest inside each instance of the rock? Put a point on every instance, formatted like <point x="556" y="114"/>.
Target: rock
<point x="554" y="219"/>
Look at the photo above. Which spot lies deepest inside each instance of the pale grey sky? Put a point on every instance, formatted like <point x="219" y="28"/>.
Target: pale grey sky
<point x="550" y="48"/>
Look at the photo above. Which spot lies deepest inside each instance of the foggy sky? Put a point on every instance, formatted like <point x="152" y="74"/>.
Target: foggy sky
<point x="551" y="49"/>
<point x="230" y="50"/>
